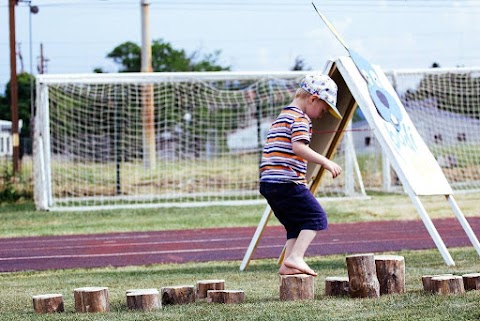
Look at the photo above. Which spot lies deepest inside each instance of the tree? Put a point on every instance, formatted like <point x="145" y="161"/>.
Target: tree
<point x="299" y="64"/>
<point x="164" y="58"/>
<point x="23" y="80"/>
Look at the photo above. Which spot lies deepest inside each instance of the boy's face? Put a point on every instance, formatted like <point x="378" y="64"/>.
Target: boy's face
<point x="316" y="107"/>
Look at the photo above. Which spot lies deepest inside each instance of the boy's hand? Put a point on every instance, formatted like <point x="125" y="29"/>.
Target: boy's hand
<point x="303" y="150"/>
<point x="333" y="168"/>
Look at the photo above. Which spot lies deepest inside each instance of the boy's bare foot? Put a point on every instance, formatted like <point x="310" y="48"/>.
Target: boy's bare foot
<point x="288" y="271"/>
<point x="299" y="265"/>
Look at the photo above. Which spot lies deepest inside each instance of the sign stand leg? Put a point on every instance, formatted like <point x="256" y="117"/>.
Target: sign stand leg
<point x="431" y="228"/>
<point x="256" y="238"/>
<point x="463" y="221"/>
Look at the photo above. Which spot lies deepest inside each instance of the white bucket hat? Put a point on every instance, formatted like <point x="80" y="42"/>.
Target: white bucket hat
<point x="324" y="88"/>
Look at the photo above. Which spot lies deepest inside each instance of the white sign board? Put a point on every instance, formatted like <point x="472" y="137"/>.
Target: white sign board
<point x="410" y="156"/>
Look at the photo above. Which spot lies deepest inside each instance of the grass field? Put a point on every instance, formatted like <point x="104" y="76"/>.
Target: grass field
<point x="260" y="282"/>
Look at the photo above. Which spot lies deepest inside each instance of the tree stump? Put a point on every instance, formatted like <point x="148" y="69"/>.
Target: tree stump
<point x="296" y="287"/>
<point x="449" y="284"/>
<point x="181" y="294"/>
<point x="91" y="299"/>
<point x="390" y="273"/>
<point x="336" y="286"/>
<point x="471" y="281"/>
<point x="225" y="296"/>
<point x="362" y="276"/>
<point x="143" y="299"/>
<point x="204" y="285"/>
<point x="48" y="303"/>
<point x="427" y="281"/>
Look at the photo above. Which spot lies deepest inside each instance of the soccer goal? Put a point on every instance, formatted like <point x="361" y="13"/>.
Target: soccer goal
<point x="135" y="140"/>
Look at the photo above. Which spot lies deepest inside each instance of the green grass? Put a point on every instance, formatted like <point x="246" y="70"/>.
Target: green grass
<point x="260" y="284"/>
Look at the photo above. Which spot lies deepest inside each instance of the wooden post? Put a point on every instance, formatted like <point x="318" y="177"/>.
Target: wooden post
<point x="91" y="299"/>
<point x="471" y="281"/>
<point x="362" y="276"/>
<point x="390" y="273"/>
<point x="296" y="287"/>
<point x="449" y="284"/>
<point x="225" y="296"/>
<point x="336" y="286"/>
<point x="48" y="303"/>
<point x="204" y="285"/>
<point x="143" y="299"/>
<point x="427" y="281"/>
<point x="181" y="294"/>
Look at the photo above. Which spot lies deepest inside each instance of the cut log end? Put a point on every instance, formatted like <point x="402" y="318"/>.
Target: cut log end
<point x="144" y="300"/>
<point x="362" y="276"/>
<point x="225" y="296"/>
<point x="427" y="281"/>
<point x="182" y="294"/>
<point x="471" y="281"/>
<point x="336" y="286"/>
<point x="390" y="273"/>
<point x="449" y="284"/>
<point x="203" y="286"/>
<point x="48" y="303"/>
<point x="296" y="287"/>
<point x="91" y="299"/>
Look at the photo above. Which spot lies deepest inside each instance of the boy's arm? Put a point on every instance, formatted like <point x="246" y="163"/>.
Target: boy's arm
<point x="303" y="150"/>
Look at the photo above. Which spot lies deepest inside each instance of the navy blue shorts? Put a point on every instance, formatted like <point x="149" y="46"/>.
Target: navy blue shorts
<point x="295" y="207"/>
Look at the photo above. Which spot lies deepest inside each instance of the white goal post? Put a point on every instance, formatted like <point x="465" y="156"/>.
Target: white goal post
<point x="208" y="129"/>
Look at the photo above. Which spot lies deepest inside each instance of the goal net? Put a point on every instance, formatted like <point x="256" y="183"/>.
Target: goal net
<point x="444" y="105"/>
<point x="160" y="139"/>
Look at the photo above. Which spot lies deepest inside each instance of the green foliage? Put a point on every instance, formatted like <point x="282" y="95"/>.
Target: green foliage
<point x="24" y="81"/>
<point x="12" y="188"/>
<point x="164" y="58"/>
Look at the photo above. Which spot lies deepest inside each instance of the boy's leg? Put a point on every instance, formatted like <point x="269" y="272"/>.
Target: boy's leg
<point x="284" y="270"/>
<point x="294" y="253"/>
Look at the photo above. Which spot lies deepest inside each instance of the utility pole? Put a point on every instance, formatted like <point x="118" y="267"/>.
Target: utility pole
<point x="148" y="115"/>
<point x="14" y="88"/>
<point x="43" y="61"/>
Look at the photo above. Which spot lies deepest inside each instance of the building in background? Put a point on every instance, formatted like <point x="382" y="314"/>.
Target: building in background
<point x="6" y="147"/>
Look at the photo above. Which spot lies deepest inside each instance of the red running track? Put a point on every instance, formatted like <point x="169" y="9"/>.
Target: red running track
<point x="217" y="244"/>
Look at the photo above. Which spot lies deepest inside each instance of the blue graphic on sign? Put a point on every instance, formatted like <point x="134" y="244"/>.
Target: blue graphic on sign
<point x="383" y="101"/>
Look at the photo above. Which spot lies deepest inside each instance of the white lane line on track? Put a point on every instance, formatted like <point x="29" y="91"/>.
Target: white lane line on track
<point x="110" y="245"/>
<point x="71" y="256"/>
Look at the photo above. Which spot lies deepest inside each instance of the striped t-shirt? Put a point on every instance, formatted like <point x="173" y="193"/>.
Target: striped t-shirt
<point x="279" y="162"/>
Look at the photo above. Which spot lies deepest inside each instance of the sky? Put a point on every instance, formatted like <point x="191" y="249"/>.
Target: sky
<point x="261" y="35"/>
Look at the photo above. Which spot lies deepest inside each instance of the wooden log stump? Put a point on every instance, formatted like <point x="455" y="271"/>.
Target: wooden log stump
<point x="449" y="284"/>
<point x="91" y="299"/>
<point x="48" y="303"/>
<point x="204" y="285"/>
<point x="390" y="273"/>
<point x="143" y="299"/>
<point x="225" y="296"/>
<point x="296" y="287"/>
<point x="336" y="286"/>
<point x="182" y="294"/>
<point x="362" y="276"/>
<point x="471" y="281"/>
<point x="427" y="281"/>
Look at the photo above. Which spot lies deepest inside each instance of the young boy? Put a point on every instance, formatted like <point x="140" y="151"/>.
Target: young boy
<point x="284" y="165"/>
